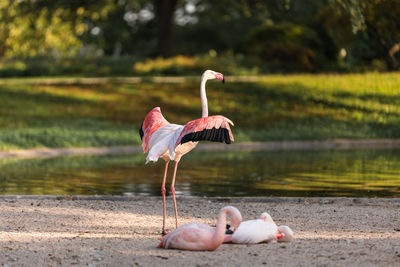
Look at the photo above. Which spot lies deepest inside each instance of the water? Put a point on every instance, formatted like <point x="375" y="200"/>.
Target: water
<point x="356" y="173"/>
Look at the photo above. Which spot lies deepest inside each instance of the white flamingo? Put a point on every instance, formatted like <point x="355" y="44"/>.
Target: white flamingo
<point x="169" y="141"/>
<point x="260" y="230"/>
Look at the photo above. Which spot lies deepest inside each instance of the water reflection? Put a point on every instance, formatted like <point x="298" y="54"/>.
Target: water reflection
<point x="366" y="173"/>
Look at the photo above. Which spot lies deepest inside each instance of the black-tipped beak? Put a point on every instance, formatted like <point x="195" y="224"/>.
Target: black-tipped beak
<point x="228" y="230"/>
<point x="223" y="80"/>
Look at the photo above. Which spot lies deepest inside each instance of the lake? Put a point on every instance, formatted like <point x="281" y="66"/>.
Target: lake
<point x="352" y="173"/>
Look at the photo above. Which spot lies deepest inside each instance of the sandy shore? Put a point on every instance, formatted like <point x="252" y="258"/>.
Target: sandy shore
<point x="102" y="231"/>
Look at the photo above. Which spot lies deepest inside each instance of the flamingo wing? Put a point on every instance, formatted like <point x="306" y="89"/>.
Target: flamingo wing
<point x="212" y="128"/>
<point x="191" y="236"/>
<point x="151" y="123"/>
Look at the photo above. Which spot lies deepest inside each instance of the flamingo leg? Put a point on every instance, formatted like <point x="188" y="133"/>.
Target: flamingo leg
<point x="163" y="195"/>
<point x="173" y="193"/>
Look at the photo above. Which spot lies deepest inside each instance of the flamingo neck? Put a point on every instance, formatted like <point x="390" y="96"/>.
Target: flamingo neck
<point x="203" y="97"/>
<point x="219" y="233"/>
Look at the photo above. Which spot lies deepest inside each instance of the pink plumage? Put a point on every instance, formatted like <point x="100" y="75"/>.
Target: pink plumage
<point x="217" y="122"/>
<point x="151" y="123"/>
<point x="161" y="139"/>
<point x="198" y="236"/>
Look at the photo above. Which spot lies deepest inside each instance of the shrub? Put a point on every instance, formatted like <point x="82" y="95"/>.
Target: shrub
<point x="285" y="47"/>
<point x="184" y="65"/>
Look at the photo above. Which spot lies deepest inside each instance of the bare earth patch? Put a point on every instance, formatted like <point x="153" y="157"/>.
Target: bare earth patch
<point x="112" y="231"/>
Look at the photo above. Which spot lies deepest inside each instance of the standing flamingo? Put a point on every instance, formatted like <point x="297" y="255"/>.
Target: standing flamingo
<point x="169" y="141"/>
<point x="198" y="236"/>
<point x="263" y="229"/>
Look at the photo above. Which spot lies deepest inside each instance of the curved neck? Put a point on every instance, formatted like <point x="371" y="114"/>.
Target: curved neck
<point x="203" y="97"/>
<point x="219" y="233"/>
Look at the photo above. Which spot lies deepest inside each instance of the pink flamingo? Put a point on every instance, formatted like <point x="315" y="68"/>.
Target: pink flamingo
<point x="169" y="141"/>
<point x="198" y="236"/>
<point x="261" y="230"/>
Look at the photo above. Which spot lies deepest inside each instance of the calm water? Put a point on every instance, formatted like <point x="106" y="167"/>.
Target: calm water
<point x="360" y="173"/>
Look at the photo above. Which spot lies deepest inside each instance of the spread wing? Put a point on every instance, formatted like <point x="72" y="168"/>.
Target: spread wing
<point x="151" y="123"/>
<point x="212" y="128"/>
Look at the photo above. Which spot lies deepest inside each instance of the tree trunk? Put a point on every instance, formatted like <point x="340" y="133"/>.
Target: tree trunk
<point x="164" y="15"/>
<point x="391" y="59"/>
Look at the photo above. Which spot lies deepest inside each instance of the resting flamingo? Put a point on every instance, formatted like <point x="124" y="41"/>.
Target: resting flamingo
<point x="260" y="230"/>
<point x="169" y="141"/>
<point x="198" y="236"/>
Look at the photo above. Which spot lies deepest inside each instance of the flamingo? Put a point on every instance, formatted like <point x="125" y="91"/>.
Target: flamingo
<point x="285" y="234"/>
<point x="169" y="141"/>
<point x="260" y="230"/>
<point x="198" y="236"/>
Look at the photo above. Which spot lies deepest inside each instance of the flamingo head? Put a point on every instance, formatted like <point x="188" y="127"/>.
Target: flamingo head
<point x="286" y="233"/>
<point x="266" y="217"/>
<point x="235" y="216"/>
<point x="210" y="75"/>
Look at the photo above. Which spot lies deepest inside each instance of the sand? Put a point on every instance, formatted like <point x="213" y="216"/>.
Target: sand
<point x="123" y="231"/>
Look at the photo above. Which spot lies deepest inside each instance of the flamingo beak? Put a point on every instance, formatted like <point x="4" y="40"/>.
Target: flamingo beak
<point x="219" y="76"/>
<point x="280" y="235"/>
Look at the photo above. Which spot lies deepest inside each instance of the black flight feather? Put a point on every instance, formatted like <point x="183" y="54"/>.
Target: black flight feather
<point x="214" y="135"/>
<point x="141" y="132"/>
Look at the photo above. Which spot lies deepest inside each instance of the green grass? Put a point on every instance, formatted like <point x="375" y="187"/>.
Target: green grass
<point x="277" y="107"/>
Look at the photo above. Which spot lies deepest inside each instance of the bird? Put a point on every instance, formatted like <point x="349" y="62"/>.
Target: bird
<point x="260" y="230"/>
<point x="199" y="236"/>
<point x="285" y="234"/>
<point x="162" y="139"/>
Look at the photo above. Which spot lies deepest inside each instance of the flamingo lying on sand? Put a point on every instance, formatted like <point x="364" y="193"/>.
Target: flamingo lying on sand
<point x="261" y="230"/>
<point x="169" y="141"/>
<point x="198" y="236"/>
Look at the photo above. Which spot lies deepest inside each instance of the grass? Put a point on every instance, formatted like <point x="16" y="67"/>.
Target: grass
<point x="276" y="107"/>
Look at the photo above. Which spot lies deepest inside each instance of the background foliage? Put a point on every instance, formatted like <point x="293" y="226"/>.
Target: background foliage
<point x="116" y="37"/>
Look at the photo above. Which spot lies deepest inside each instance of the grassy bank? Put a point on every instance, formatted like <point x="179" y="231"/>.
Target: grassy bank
<point x="277" y="107"/>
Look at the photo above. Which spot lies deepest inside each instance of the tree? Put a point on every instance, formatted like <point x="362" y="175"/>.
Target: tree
<point x="380" y="20"/>
<point x="31" y="28"/>
<point x="62" y="27"/>
<point x="164" y="11"/>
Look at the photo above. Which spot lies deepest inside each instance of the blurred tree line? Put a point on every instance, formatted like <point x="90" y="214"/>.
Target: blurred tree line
<point x="278" y="35"/>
